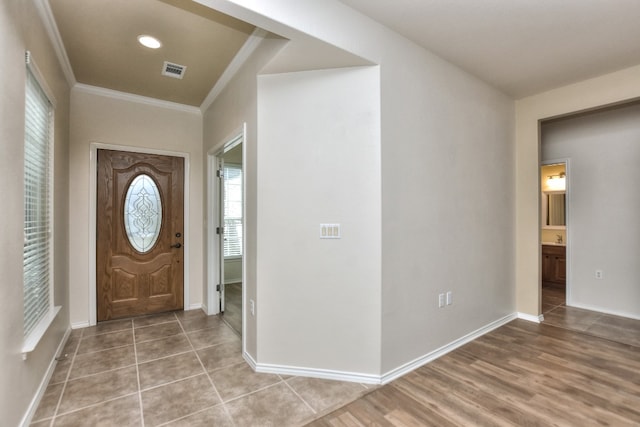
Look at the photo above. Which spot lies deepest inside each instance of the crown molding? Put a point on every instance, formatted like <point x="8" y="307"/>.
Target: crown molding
<point x="129" y="97"/>
<point x="46" y="15"/>
<point x="253" y="41"/>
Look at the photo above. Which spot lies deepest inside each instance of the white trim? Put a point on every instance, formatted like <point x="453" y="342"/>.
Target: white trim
<point x="124" y="96"/>
<point x="33" y="406"/>
<point x="567" y="229"/>
<point x="93" y="191"/>
<point x="318" y="373"/>
<point x="431" y="356"/>
<point x="38" y="332"/>
<point x="531" y="317"/>
<point x="213" y="247"/>
<point x="46" y="15"/>
<point x="196" y="306"/>
<point x="80" y="325"/>
<point x="253" y="41"/>
<point x="212" y="302"/>
<point x="250" y="360"/>
<point x="33" y="67"/>
<point x="605" y="311"/>
<point x="232" y="281"/>
<point x="372" y="378"/>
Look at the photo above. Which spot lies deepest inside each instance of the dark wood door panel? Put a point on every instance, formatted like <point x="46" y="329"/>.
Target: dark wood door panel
<point x="139" y="266"/>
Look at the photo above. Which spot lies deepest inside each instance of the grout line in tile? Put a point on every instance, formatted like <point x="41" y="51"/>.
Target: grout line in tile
<point x="104" y="349"/>
<point x="300" y="397"/>
<point x="253" y="392"/>
<point x="142" y="390"/>
<point x="96" y="404"/>
<point x="156" y="324"/>
<point x="99" y="373"/>
<point x="130" y="327"/>
<point x="135" y="355"/>
<point x="66" y="380"/>
<point x="215" y="389"/>
<point x="154" y="339"/>
<point x="222" y="367"/>
<point x="164" y="357"/>
<point x="189" y="415"/>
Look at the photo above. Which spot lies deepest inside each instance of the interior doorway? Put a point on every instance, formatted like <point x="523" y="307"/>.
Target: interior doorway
<point x="226" y="242"/>
<point x="554" y="234"/>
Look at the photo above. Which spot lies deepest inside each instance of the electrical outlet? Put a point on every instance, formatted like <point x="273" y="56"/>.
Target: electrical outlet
<point x="252" y="307"/>
<point x="449" y="298"/>
<point x="599" y="274"/>
<point x="441" y="300"/>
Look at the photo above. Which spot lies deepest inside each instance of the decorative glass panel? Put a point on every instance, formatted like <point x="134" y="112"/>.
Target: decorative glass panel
<point x="143" y="213"/>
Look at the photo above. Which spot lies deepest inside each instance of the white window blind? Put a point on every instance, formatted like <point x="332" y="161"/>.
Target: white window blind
<point x="38" y="304"/>
<point x="232" y="210"/>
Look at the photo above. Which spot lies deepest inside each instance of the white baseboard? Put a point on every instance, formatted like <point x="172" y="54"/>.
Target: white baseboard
<point x="429" y="357"/>
<point x="80" y="325"/>
<point x="249" y="360"/>
<point x="232" y="281"/>
<point x="318" y="373"/>
<point x="530" y="317"/>
<point x="379" y="379"/>
<point x="605" y="311"/>
<point x="33" y="406"/>
<point x="197" y="306"/>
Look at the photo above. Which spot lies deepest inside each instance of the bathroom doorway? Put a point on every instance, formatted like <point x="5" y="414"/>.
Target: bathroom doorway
<point x="553" y="234"/>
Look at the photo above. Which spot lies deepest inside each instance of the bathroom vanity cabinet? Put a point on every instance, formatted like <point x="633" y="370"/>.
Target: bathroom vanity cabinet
<point x="554" y="265"/>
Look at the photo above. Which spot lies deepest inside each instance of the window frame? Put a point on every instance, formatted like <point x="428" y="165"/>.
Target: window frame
<point x="34" y="334"/>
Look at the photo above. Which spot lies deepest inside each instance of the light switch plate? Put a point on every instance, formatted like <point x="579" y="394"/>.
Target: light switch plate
<point x="330" y="231"/>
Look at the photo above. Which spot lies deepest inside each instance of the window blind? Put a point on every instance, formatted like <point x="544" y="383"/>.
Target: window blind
<point x="232" y="210"/>
<point x="37" y="205"/>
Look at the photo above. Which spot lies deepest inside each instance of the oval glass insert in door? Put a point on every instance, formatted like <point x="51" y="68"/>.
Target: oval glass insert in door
<point x="143" y="213"/>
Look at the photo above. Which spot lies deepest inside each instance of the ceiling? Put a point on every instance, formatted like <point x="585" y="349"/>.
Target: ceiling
<point x="100" y="39"/>
<point x="522" y="47"/>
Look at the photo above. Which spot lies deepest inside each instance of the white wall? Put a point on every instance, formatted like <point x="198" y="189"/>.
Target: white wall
<point x="21" y="29"/>
<point x="447" y="203"/>
<point x="603" y="149"/>
<point x="109" y="120"/>
<point x="446" y="183"/>
<point x="319" y="162"/>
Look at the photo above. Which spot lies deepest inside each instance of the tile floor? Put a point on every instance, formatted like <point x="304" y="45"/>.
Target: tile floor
<point x="176" y="369"/>
<point x="602" y="325"/>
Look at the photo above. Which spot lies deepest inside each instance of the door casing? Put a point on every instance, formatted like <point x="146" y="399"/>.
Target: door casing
<point x="214" y="255"/>
<point x="93" y="191"/>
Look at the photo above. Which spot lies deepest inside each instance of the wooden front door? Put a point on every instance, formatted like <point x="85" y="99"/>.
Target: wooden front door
<point x="140" y="236"/>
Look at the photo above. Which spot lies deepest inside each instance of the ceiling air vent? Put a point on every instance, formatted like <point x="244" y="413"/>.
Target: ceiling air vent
<point x="173" y="70"/>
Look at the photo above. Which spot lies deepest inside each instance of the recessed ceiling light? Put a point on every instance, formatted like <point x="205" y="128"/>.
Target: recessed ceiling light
<point x="148" y="41"/>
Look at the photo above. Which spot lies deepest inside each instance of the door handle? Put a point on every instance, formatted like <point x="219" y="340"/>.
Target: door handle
<point x="177" y="246"/>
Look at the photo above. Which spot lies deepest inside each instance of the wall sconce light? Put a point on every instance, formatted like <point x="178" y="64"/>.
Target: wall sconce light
<point x="557" y="182"/>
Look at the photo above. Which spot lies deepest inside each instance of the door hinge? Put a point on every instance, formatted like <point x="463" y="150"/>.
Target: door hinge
<point x="220" y="173"/>
<point x="219" y="288"/>
<point x="219" y="230"/>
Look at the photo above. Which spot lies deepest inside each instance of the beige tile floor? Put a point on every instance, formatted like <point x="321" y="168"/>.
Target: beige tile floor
<point x="176" y="369"/>
<point x="615" y="328"/>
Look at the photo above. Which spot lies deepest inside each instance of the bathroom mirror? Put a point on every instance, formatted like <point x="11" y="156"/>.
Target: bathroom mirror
<point x="554" y="212"/>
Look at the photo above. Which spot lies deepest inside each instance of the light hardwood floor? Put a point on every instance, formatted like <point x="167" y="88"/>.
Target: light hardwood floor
<point x="522" y="374"/>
